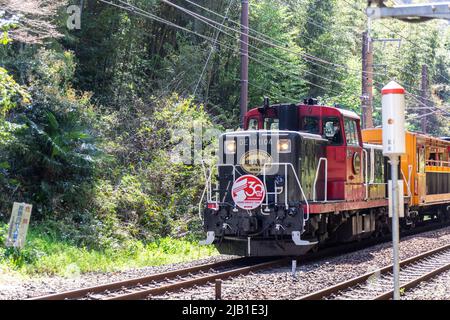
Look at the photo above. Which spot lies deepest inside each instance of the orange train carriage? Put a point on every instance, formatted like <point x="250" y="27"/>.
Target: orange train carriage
<point x="425" y="169"/>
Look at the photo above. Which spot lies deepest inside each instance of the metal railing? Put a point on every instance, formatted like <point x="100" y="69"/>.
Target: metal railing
<point x="325" y="160"/>
<point x="437" y="163"/>
<point x="366" y="174"/>
<point x="408" y="182"/>
<point x="208" y="188"/>
<point x="286" y="188"/>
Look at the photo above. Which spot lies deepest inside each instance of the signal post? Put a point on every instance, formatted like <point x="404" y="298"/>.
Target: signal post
<point x="393" y="114"/>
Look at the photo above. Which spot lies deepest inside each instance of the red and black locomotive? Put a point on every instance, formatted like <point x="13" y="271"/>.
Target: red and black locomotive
<point x="297" y="176"/>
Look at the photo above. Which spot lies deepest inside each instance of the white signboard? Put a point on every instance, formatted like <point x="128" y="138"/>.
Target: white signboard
<point x="18" y="225"/>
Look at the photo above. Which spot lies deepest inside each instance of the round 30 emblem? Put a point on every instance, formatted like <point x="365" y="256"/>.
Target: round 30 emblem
<point x="248" y="192"/>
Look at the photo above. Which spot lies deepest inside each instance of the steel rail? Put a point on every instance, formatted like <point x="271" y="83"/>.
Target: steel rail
<point x="144" y="293"/>
<point x="80" y="293"/>
<point x="413" y="283"/>
<point x="348" y="284"/>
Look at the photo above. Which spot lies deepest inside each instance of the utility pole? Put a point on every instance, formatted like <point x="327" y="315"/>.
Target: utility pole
<point x="367" y="81"/>
<point x="244" y="61"/>
<point x="424" y="90"/>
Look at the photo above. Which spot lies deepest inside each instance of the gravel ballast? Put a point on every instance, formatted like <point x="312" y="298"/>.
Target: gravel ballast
<point x="437" y="288"/>
<point x="269" y="284"/>
<point x="280" y="285"/>
<point x="15" y="286"/>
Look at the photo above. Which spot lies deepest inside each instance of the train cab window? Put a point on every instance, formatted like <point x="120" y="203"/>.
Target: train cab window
<point x="271" y="123"/>
<point x="310" y="124"/>
<point x="351" y="132"/>
<point x="332" y="130"/>
<point x="253" y="124"/>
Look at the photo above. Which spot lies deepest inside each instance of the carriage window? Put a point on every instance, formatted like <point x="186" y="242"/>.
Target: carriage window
<point x="310" y="124"/>
<point x="253" y="124"/>
<point x="332" y="130"/>
<point x="351" y="132"/>
<point x="271" y="123"/>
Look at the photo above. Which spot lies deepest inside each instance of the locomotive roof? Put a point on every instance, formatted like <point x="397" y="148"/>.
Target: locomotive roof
<point x="436" y="141"/>
<point x="306" y="135"/>
<point x="348" y="113"/>
<point x="422" y="137"/>
<point x="344" y="112"/>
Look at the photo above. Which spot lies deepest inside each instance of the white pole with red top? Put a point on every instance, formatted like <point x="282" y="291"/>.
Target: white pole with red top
<point x="393" y="114"/>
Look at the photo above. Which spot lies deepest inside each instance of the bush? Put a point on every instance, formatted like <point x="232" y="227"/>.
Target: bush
<point x="154" y="196"/>
<point x="97" y="179"/>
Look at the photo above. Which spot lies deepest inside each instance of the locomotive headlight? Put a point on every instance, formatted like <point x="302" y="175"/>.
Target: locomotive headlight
<point x="284" y="146"/>
<point x="230" y="146"/>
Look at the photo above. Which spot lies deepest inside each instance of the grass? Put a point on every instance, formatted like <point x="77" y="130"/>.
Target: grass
<point x="45" y="255"/>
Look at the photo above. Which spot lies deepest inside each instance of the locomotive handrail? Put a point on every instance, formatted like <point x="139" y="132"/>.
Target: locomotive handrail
<point x="410" y="169"/>
<point x="275" y="193"/>
<point x="285" y="164"/>
<point x="208" y="186"/>
<point x="206" y="190"/>
<point x="317" y="176"/>
<point x="200" y="205"/>
<point x="366" y="176"/>
<point x="408" y="182"/>
<point x="234" y="174"/>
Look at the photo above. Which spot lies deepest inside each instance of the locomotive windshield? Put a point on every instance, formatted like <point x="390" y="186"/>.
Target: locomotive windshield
<point x="332" y="130"/>
<point x="270" y="123"/>
<point x="310" y="124"/>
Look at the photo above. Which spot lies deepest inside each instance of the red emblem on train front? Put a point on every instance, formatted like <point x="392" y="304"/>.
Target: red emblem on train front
<point x="248" y="192"/>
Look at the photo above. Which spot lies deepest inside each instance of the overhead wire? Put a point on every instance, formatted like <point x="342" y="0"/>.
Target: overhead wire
<point x="268" y="54"/>
<point x="393" y="31"/>
<point x="271" y="43"/>
<point x="413" y="96"/>
<point x="144" y="13"/>
<point x="149" y="15"/>
<point x="209" y="22"/>
<point x="212" y="48"/>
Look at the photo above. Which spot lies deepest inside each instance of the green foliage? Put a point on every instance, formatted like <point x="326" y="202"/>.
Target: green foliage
<point x="47" y="253"/>
<point x="10" y="93"/>
<point x="147" y="194"/>
<point x="53" y="156"/>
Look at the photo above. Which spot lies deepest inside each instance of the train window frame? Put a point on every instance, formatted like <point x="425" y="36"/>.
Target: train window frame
<point x="254" y="125"/>
<point x="351" y="132"/>
<point x="421" y="159"/>
<point x="275" y="121"/>
<point x="332" y="140"/>
<point x="303" y="124"/>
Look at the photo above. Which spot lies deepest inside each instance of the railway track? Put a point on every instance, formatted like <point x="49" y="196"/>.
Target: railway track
<point x="144" y="287"/>
<point x="377" y="285"/>
<point x="157" y="284"/>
